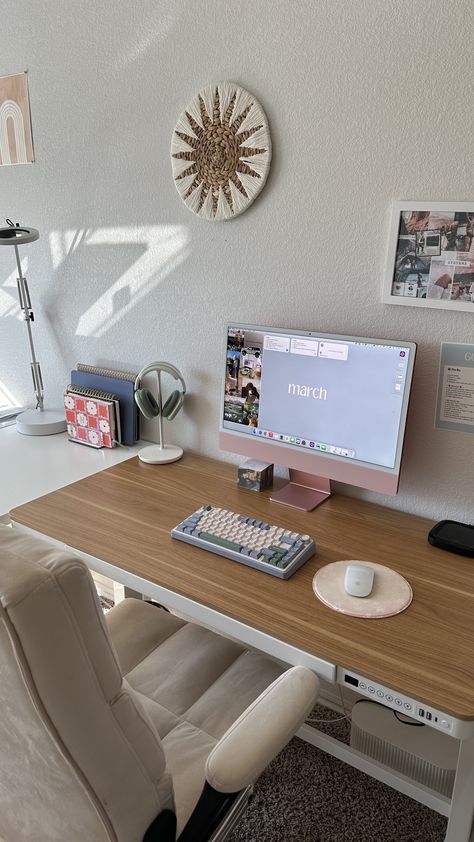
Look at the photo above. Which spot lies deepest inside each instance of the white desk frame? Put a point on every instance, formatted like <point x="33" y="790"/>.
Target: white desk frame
<point x="32" y="467"/>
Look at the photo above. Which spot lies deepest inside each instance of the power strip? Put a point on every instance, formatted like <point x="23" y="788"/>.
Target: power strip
<point x="460" y="728"/>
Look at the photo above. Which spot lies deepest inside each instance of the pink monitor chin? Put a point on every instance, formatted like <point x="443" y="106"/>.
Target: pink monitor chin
<point x="306" y="463"/>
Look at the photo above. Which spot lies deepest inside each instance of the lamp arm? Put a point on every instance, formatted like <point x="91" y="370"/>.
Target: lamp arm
<point x="25" y="304"/>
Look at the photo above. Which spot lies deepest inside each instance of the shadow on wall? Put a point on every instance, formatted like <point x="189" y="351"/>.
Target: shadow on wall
<point x="97" y="276"/>
<point x="199" y="405"/>
<point x="100" y="274"/>
<point x="138" y="258"/>
<point x="94" y="278"/>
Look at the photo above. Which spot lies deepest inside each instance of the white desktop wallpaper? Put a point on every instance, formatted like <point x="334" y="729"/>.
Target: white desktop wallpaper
<point x="367" y="103"/>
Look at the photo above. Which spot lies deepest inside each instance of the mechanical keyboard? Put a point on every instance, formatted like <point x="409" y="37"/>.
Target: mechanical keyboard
<point x="272" y="549"/>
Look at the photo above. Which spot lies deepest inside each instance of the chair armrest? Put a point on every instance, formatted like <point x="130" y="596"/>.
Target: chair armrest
<point x="262" y="730"/>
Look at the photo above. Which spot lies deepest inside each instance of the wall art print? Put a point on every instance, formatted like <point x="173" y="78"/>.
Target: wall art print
<point x="430" y="260"/>
<point x="221" y="151"/>
<point x="16" y="140"/>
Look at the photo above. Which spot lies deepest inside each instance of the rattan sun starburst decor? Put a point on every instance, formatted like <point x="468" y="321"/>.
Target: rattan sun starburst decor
<point x="221" y="151"/>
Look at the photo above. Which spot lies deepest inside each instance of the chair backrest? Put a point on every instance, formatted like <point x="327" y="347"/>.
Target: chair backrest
<point x="79" y="757"/>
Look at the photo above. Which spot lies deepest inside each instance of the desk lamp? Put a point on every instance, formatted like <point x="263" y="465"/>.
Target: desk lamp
<point x="38" y="421"/>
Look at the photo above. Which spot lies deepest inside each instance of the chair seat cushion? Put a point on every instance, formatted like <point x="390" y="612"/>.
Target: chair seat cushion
<point x="193" y="684"/>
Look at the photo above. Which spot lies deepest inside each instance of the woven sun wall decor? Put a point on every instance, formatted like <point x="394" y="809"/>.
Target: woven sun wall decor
<point x="221" y="151"/>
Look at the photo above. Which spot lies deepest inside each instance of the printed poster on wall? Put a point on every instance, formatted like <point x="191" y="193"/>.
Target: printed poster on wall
<point x="455" y="400"/>
<point x="16" y="140"/>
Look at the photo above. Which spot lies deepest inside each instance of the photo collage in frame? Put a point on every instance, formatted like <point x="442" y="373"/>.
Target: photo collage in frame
<point x="431" y="259"/>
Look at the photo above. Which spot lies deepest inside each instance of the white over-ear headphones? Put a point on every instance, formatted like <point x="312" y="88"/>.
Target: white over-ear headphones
<point x="147" y="403"/>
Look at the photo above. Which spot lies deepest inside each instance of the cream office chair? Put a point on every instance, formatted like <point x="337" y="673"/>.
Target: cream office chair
<point x="135" y="728"/>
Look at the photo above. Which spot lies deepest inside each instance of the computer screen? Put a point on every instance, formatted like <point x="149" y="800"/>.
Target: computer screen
<point x="320" y="403"/>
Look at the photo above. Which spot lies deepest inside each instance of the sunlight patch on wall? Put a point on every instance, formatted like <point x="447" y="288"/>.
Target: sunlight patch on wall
<point x="9" y="304"/>
<point x="142" y="46"/>
<point x="156" y="27"/>
<point x="63" y="243"/>
<point x="7" y="399"/>
<point x="10" y="281"/>
<point x="166" y="249"/>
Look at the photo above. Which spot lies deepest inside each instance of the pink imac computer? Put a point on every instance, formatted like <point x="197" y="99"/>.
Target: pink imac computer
<point x="327" y="407"/>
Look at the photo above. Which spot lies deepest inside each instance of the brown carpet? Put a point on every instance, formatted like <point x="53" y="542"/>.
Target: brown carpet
<point x="308" y="796"/>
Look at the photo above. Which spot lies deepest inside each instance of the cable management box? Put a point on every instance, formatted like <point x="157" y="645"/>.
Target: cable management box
<point x="419" y="752"/>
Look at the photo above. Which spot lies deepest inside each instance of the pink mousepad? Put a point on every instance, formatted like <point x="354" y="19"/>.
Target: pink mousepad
<point x="391" y="593"/>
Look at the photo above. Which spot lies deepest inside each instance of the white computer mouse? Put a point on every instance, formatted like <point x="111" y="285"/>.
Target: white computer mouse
<point x="359" y="579"/>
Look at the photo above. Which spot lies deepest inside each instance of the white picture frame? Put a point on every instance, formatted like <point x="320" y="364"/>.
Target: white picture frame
<point x="430" y="256"/>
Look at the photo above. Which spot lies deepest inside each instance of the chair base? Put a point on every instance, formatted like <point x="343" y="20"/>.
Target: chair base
<point x="233" y="816"/>
<point x="215" y="815"/>
<point x="163" y="828"/>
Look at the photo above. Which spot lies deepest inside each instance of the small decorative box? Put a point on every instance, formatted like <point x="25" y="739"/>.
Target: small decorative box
<point x="255" y="475"/>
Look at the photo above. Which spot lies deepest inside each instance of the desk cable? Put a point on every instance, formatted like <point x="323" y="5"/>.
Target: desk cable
<point x="311" y="721"/>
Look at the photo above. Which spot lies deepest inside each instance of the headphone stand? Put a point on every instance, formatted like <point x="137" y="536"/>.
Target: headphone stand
<point x="160" y="454"/>
<point x="154" y="454"/>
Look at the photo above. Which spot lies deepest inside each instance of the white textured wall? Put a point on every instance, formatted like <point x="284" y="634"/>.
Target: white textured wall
<point x="368" y="102"/>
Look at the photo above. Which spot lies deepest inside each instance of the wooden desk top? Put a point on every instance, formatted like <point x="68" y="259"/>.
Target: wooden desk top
<point x="124" y="515"/>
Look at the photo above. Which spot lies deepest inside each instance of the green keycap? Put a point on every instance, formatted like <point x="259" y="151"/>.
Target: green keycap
<point x="221" y="542"/>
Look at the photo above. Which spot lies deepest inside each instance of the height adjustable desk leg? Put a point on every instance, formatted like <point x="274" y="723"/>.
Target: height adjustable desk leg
<point x="462" y="803"/>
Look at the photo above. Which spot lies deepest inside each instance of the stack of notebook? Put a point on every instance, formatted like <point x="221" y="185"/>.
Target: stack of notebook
<point x="113" y="393"/>
<point x="92" y="417"/>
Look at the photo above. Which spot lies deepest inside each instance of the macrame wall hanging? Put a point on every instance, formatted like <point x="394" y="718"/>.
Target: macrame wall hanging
<point x="221" y="151"/>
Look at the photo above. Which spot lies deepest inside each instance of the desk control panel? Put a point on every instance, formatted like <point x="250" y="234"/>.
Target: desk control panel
<point x="460" y="728"/>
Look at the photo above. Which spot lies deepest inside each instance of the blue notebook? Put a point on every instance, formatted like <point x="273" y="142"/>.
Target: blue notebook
<point x="121" y="384"/>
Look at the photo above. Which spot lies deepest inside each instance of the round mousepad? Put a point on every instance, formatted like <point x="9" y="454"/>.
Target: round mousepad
<point x="391" y="593"/>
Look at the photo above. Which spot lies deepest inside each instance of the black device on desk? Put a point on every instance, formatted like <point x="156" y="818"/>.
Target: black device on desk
<point x="454" y="536"/>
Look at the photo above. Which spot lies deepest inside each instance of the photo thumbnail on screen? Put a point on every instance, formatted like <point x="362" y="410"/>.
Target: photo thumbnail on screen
<point x="243" y="376"/>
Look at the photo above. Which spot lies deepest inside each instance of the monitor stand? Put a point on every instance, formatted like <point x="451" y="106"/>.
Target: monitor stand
<point x="304" y="491"/>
